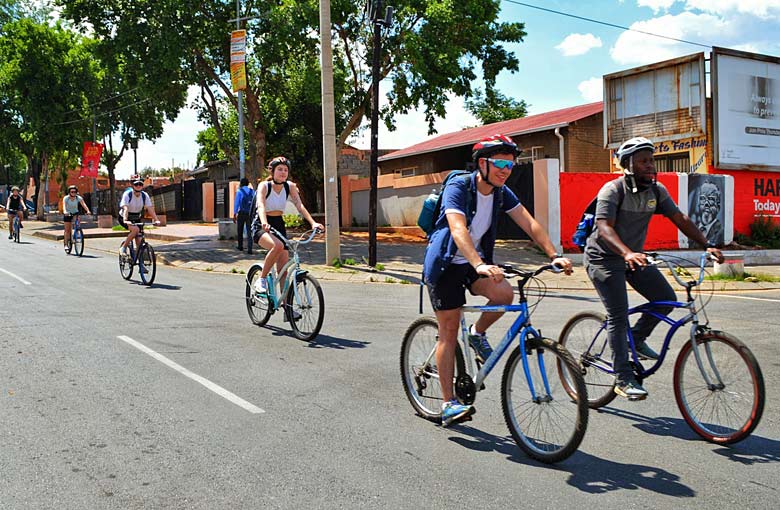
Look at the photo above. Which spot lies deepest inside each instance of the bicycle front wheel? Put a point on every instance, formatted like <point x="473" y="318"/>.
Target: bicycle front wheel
<point x="257" y="304"/>
<point x="545" y="421"/>
<point x="305" y="307"/>
<point x="419" y="372"/>
<point x="147" y="264"/>
<point x="586" y="340"/>
<point x="16" y="230"/>
<point x="78" y="242"/>
<point x="729" y="408"/>
<point x="126" y="265"/>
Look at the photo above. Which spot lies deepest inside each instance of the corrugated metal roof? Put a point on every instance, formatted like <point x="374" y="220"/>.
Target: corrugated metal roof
<point x="514" y="127"/>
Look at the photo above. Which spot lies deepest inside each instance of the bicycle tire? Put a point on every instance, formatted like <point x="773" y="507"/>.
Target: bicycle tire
<point x="307" y="300"/>
<point x="258" y="306"/>
<point x="126" y="265"/>
<point x="721" y="415"/>
<point x="147" y="264"/>
<point x="16" y="230"/>
<point x="549" y="427"/>
<point x="577" y="337"/>
<point x="78" y="242"/>
<point x="420" y="379"/>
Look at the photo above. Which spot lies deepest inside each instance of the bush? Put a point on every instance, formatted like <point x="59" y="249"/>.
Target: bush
<point x="292" y="220"/>
<point x="765" y="232"/>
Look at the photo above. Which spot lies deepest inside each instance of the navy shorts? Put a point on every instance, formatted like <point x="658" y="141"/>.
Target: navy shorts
<point x="449" y="292"/>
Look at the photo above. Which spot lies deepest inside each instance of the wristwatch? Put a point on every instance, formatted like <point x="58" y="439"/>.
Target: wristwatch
<point x="555" y="256"/>
<point x="710" y="245"/>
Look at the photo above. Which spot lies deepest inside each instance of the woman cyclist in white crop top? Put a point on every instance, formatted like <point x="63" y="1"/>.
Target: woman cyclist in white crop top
<point x="272" y="196"/>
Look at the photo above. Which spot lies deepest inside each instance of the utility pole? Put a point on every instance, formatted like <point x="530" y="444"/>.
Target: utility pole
<point x="241" y="155"/>
<point x="329" y="156"/>
<point x="375" y="10"/>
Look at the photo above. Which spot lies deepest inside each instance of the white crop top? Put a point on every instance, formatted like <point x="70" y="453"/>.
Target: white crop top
<point x="275" y="201"/>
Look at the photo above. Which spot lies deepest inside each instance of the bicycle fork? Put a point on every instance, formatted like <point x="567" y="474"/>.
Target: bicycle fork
<point x="696" y="331"/>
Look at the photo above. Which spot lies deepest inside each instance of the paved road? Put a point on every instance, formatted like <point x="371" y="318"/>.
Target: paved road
<point x="89" y="420"/>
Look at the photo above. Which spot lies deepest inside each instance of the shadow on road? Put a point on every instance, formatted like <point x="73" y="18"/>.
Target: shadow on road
<point x="162" y="286"/>
<point x="587" y="473"/>
<point x="752" y="450"/>
<point x="321" y="341"/>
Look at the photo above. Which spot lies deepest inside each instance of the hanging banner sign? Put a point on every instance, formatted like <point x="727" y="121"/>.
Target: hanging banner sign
<point x="238" y="60"/>
<point x="90" y="159"/>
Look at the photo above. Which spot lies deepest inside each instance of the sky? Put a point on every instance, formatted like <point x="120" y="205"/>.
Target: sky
<point x="562" y="61"/>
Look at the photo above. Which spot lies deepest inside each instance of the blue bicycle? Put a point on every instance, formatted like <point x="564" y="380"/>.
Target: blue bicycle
<point x="545" y="422"/>
<point x="717" y="382"/>
<point x="76" y="241"/>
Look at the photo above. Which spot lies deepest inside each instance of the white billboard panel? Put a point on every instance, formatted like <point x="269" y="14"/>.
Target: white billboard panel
<point x="746" y="110"/>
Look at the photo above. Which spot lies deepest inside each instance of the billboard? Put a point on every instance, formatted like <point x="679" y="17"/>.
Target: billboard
<point x="664" y="101"/>
<point x="746" y="110"/>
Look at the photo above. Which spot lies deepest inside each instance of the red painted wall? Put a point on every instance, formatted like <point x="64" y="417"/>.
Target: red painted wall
<point x="755" y="194"/>
<point x="578" y="189"/>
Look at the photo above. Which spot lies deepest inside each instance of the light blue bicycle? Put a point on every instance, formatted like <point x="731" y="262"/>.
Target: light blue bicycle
<point x="545" y="421"/>
<point x="300" y="296"/>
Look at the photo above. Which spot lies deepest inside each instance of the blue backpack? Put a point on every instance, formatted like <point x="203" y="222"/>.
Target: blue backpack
<point x="431" y="208"/>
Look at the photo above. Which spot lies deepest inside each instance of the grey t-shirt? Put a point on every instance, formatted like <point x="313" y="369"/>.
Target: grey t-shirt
<point x="631" y="223"/>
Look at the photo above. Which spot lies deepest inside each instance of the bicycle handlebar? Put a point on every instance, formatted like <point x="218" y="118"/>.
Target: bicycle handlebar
<point x="657" y="259"/>
<point x="296" y="242"/>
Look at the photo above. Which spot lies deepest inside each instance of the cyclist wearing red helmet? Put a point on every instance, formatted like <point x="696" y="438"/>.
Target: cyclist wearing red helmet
<point x="460" y="251"/>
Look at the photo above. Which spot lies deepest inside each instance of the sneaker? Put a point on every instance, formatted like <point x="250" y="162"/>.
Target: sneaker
<point x="645" y="351"/>
<point x="453" y="412"/>
<point x="480" y="344"/>
<point x="123" y="251"/>
<point x="10" y="236"/>
<point x="260" y="286"/>
<point x="632" y="390"/>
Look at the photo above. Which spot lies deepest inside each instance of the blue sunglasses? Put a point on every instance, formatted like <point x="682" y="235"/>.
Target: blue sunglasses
<point x="502" y="163"/>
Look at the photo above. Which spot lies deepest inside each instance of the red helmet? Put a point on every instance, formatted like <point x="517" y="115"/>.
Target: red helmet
<point x="494" y="144"/>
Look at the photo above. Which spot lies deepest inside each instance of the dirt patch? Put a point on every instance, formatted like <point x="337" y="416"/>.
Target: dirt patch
<point x="386" y="237"/>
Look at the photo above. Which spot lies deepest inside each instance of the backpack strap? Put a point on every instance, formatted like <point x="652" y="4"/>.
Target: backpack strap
<point x="286" y="189"/>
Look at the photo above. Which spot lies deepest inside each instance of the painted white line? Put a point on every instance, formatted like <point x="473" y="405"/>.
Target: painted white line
<point x="748" y="297"/>
<point x="9" y="273"/>
<point x="219" y="390"/>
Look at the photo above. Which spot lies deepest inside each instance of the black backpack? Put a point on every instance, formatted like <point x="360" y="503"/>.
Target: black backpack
<point x="588" y="218"/>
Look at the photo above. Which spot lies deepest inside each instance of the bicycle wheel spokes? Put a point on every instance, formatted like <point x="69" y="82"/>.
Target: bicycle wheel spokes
<point x="586" y="340"/>
<point x="258" y="305"/>
<point x="305" y="308"/>
<point x="126" y="265"/>
<point x="78" y="242"/>
<point x="546" y="425"/>
<point x="729" y="407"/>
<point x="147" y="264"/>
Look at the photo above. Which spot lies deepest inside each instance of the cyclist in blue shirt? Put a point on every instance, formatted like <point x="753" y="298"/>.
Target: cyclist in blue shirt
<point x="459" y="256"/>
<point x="242" y="214"/>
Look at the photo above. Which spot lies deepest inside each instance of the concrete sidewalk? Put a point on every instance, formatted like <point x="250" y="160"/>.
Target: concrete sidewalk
<point x="197" y="246"/>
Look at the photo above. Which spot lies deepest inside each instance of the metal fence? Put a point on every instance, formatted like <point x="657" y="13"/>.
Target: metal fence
<point x="178" y="201"/>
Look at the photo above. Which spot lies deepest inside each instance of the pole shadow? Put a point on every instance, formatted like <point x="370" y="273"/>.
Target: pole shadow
<point x="320" y="341"/>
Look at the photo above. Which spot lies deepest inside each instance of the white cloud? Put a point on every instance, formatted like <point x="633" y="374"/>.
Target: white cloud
<point x="592" y="90"/>
<point x="759" y="8"/>
<point x="578" y="44"/>
<point x="656" y="5"/>
<point x="637" y="48"/>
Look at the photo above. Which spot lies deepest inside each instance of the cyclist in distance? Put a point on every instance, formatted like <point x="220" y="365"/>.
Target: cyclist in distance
<point x="70" y="206"/>
<point x="271" y="197"/>
<point x="131" y="209"/>
<point x="613" y="254"/>
<point x="460" y="252"/>
<point x="14" y="207"/>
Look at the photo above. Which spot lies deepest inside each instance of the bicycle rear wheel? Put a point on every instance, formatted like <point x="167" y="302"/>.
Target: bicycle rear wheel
<point x="78" y="242"/>
<point x="147" y="264"/>
<point x="305" y="307"/>
<point x="546" y="423"/>
<point x="126" y="265"/>
<point x="258" y="305"/>
<point x="729" y="409"/>
<point x="586" y="341"/>
<point x="419" y="372"/>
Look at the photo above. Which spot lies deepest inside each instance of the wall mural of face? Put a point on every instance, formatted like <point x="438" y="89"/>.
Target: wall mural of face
<point x="709" y="202"/>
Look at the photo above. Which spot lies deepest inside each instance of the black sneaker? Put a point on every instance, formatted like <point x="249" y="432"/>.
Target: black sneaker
<point x="644" y="351"/>
<point x="632" y="390"/>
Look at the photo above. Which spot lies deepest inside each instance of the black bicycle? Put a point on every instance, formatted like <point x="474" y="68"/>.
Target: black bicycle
<point x="144" y="257"/>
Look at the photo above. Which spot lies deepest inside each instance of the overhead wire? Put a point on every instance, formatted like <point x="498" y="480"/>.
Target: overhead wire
<point x="102" y="114"/>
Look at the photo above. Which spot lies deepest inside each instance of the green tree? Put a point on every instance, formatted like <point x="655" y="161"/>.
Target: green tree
<point x="493" y="106"/>
<point x="433" y="48"/>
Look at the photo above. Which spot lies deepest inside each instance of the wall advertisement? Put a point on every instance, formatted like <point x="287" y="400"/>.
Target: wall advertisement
<point x="746" y="110"/>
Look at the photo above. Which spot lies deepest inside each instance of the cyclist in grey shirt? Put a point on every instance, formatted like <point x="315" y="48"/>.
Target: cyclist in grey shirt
<point x="613" y="254"/>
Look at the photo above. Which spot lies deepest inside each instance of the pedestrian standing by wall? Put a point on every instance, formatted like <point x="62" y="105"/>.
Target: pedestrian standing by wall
<point x="242" y="211"/>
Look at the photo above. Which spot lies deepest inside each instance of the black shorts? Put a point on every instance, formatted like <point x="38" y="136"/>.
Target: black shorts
<point x="449" y="292"/>
<point x="68" y="218"/>
<point x="276" y="222"/>
<point x="131" y="217"/>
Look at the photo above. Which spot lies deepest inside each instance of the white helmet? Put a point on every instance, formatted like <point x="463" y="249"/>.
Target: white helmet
<point x="629" y="147"/>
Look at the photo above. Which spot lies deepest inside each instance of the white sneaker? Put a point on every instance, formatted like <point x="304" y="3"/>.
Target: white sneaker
<point x="260" y="286"/>
<point x="123" y="251"/>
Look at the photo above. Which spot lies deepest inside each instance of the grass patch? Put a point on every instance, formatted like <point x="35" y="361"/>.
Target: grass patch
<point x="209" y="268"/>
<point x="118" y="228"/>
<point x="404" y="282"/>
<point x="234" y="271"/>
<point x="380" y="266"/>
<point x="388" y="279"/>
<point x="750" y="277"/>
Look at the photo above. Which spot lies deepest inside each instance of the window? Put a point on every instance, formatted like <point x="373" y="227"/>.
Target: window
<point x="531" y="154"/>
<point x="406" y="172"/>
<point x="679" y="163"/>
